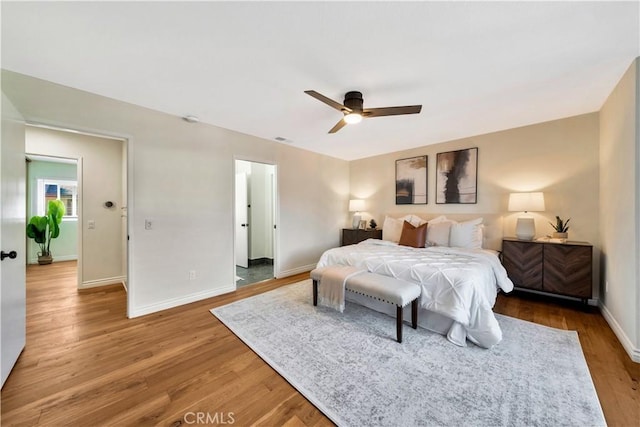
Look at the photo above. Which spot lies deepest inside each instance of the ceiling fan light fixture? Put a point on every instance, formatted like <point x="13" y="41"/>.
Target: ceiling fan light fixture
<point x="353" y="118"/>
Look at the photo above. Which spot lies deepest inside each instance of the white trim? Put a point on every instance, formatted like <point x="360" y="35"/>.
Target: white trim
<point x="130" y="233"/>
<point x="293" y="271"/>
<point x="55" y="259"/>
<point x="40" y="124"/>
<point x="635" y="354"/>
<point x="632" y="351"/>
<point x="102" y="282"/>
<point x="41" y="182"/>
<point x="80" y="223"/>
<point x="175" y="302"/>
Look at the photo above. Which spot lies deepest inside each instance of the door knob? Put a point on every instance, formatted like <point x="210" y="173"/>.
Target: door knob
<point x="12" y="255"/>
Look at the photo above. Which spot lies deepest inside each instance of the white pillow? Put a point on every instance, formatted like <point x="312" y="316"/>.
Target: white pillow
<point x="392" y="229"/>
<point x="440" y="218"/>
<point x="466" y="234"/>
<point x="416" y="221"/>
<point x="438" y="233"/>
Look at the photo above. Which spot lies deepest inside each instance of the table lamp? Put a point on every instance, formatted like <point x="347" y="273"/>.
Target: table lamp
<point x="356" y="205"/>
<point x="526" y="202"/>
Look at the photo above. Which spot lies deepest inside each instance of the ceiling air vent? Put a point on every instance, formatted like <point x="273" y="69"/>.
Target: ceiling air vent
<point x="283" y="139"/>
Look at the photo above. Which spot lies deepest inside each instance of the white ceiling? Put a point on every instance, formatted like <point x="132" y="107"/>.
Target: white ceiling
<point x="476" y="67"/>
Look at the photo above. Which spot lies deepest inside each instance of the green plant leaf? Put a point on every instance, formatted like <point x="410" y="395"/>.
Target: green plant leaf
<point x="56" y="210"/>
<point x="55" y="230"/>
<point x="37" y="228"/>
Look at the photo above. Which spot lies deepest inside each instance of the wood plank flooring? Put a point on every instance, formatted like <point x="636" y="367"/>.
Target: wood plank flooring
<point x="85" y="363"/>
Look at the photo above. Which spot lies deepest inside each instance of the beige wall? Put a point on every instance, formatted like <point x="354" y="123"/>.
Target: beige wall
<point x="559" y="158"/>
<point x="181" y="177"/>
<point x="619" y="210"/>
<point x="101" y="171"/>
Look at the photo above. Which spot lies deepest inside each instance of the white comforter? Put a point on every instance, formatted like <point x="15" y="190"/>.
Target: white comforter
<point x="460" y="284"/>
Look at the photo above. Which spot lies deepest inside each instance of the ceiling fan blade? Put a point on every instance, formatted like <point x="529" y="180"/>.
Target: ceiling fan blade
<point x="391" y="111"/>
<point x="330" y="102"/>
<point x="338" y="126"/>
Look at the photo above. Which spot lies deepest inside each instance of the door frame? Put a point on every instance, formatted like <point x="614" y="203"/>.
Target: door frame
<point x="127" y="174"/>
<point x="244" y="263"/>
<point x="276" y="208"/>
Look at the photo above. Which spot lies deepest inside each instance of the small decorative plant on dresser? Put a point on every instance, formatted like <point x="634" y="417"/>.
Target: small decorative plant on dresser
<point x="561" y="228"/>
<point x="554" y="268"/>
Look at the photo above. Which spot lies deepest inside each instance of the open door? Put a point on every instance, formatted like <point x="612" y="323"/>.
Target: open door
<point x="12" y="238"/>
<point x="242" y="222"/>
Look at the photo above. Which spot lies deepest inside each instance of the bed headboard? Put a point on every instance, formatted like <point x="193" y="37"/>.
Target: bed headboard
<point x="493" y="225"/>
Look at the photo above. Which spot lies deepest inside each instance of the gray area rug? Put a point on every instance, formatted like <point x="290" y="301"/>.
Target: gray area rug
<point x="352" y="369"/>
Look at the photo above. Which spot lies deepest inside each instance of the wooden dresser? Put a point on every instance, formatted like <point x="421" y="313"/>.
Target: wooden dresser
<point x="352" y="236"/>
<point x="555" y="268"/>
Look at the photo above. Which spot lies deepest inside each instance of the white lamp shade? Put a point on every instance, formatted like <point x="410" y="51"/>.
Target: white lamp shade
<point x="526" y="202"/>
<point x="356" y="205"/>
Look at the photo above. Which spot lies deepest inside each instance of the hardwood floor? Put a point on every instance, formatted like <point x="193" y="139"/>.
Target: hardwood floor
<point x="85" y="363"/>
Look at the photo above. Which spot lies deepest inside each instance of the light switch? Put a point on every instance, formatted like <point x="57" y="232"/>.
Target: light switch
<point x="91" y="224"/>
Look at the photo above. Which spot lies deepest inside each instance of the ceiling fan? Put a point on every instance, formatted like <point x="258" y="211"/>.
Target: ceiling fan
<point x="353" y="111"/>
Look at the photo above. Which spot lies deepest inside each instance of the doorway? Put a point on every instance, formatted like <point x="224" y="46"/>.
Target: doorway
<point x="95" y="199"/>
<point x="255" y="207"/>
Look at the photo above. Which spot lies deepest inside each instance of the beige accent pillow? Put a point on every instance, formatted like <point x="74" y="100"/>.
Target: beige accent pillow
<point x="440" y="218"/>
<point x="438" y="233"/>
<point x="391" y="229"/>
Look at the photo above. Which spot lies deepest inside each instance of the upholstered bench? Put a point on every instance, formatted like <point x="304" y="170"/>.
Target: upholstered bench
<point x="383" y="288"/>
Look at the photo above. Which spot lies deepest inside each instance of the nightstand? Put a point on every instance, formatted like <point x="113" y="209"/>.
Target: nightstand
<point x="352" y="236"/>
<point x="555" y="268"/>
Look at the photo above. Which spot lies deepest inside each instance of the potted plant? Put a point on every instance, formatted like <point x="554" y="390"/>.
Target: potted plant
<point x="561" y="227"/>
<point x="43" y="229"/>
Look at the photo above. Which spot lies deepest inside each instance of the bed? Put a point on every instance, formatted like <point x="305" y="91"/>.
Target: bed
<point x="459" y="285"/>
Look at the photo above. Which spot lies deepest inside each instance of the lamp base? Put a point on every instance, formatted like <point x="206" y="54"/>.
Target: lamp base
<point x="355" y="224"/>
<point x="525" y="229"/>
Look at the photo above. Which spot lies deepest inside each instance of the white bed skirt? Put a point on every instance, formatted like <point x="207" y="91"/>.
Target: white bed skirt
<point x="429" y="320"/>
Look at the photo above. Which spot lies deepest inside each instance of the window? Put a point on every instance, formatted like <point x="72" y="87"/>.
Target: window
<point x="55" y="189"/>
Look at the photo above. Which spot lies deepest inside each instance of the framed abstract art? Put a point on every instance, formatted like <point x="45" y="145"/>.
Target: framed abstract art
<point x="411" y="181"/>
<point x="457" y="176"/>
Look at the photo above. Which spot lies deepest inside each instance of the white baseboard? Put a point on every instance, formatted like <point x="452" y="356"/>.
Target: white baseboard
<point x="175" y="302"/>
<point x="55" y="259"/>
<point x="293" y="271"/>
<point x="632" y="351"/>
<point x="102" y="282"/>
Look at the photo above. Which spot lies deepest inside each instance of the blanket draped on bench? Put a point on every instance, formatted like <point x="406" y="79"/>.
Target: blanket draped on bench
<point x="332" y="286"/>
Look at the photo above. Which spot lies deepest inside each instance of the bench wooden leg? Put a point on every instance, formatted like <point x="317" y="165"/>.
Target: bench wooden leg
<point x="399" y="323"/>
<point x="414" y="313"/>
<point x="315" y="292"/>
